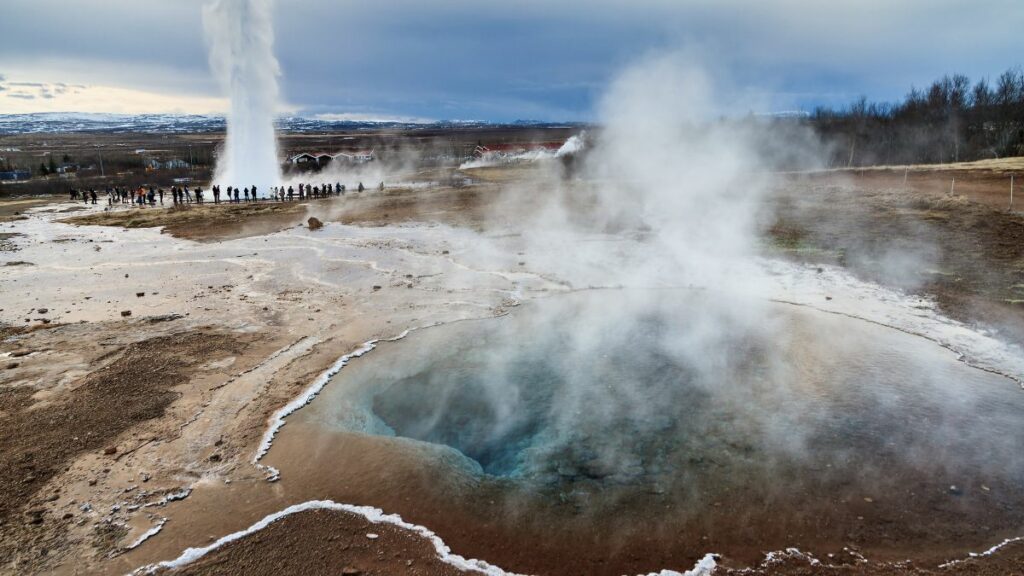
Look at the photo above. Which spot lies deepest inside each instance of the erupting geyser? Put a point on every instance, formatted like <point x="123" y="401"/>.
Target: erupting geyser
<point x="240" y="40"/>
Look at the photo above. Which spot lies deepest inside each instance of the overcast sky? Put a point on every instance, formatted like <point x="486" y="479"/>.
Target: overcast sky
<point x="523" y="59"/>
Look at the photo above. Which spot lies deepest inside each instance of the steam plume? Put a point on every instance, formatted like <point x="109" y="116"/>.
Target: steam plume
<point x="240" y="40"/>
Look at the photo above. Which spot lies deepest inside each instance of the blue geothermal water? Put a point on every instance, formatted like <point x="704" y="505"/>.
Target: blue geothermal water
<point x="678" y="390"/>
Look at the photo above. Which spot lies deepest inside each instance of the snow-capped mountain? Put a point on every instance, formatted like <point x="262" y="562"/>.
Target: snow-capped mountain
<point x="50" y="122"/>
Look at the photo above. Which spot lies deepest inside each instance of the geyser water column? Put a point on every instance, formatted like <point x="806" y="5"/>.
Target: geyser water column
<point x="240" y="41"/>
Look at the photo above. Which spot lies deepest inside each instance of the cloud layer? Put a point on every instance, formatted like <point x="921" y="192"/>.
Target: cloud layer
<point x="458" y="59"/>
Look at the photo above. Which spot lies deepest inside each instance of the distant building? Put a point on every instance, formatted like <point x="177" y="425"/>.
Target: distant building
<point x="303" y="158"/>
<point x="15" y="175"/>
<point x="173" y="164"/>
<point x="359" y="157"/>
<point x="323" y="158"/>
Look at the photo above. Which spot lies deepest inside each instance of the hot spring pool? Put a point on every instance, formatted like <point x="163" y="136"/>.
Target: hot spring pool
<point x="620" y="389"/>
<point x="675" y="421"/>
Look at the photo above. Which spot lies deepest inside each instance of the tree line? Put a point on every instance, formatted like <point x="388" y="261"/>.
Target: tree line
<point x="952" y="120"/>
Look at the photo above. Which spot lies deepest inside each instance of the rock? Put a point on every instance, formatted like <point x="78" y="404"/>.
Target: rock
<point x="126" y="313"/>
<point x="12" y="365"/>
<point x="163" y="318"/>
<point x="376" y="287"/>
<point x="314" y="223"/>
<point x="92" y="482"/>
<point x="956" y="490"/>
<point x="140" y="294"/>
<point x="372" y="536"/>
<point x="350" y="571"/>
<point x="214" y="457"/>
<point x="43" y="310"/>
<point x="67" y="516"/>
<point x="110" y="450"/>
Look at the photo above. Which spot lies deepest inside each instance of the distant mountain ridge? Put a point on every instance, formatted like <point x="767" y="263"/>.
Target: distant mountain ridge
<point x="56" y="122"/>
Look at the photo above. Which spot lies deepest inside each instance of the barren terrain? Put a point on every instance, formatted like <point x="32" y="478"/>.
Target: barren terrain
<point x="127" y="438"/>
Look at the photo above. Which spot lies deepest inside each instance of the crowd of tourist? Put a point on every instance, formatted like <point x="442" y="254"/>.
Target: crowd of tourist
<point x="143" y="196"/>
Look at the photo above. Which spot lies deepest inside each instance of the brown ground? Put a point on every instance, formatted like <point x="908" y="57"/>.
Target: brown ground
<point x="39" y="438"/>
<point x="331" y="542"/>
<point x="1009" y="560"/>
<point x="968" y="252"/>
<point x="326" y="542"/>
<point x="211" y="222"/>
<point x="203" y="222"/>
<point x="14" y="209"/>
<point x="959" y="249"/>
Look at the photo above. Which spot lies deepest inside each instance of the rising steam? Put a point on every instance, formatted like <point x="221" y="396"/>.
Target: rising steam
<point x="240" y="40"/>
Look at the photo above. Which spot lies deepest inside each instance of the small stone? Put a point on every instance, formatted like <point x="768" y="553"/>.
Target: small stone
<point x="110" y="450"/>
<point x="215" y="458"/>
<point x="376" y="287"/>
<point x="12" y="365"/>
<point x="92" y="482"/>
<point x="140" y="294"/>
<point x="372" y="536"/>
<point x="67" y="516"/>
<point x="126" y="313"/>
<point x="43" y="310"/>
<point x="868" y="500"/>
<point x="955" y="490"/>
<point x="350" y="571"/>
<point x="314" y="223"/>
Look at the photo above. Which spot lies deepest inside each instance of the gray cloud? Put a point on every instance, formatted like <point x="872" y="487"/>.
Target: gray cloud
<point x="471" y="59"/>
